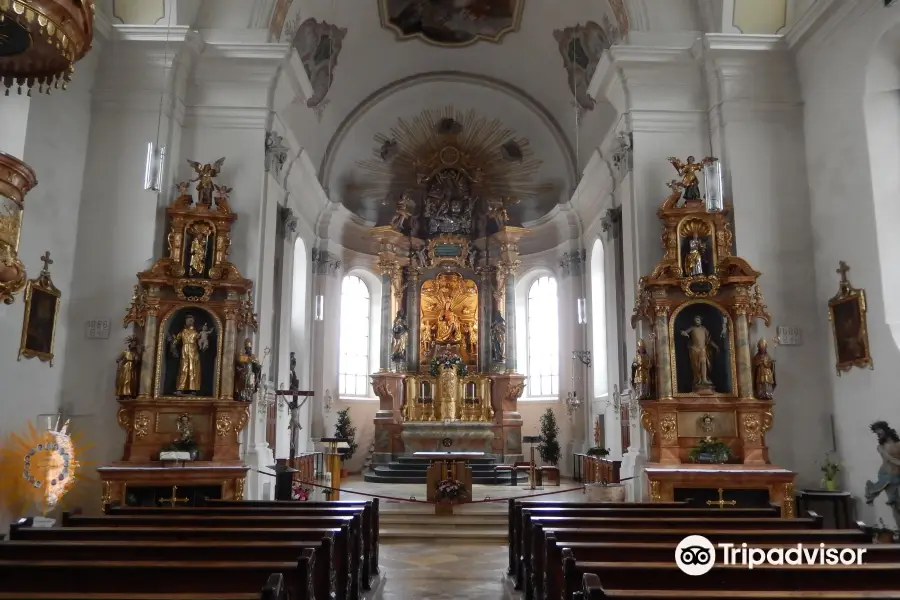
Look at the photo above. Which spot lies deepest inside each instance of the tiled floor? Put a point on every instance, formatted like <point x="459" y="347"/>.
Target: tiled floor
<point x="443" y="572"/>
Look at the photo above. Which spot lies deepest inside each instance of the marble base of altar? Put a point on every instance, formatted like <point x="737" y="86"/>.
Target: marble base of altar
<point x="448" y="437"/>
<point x="665" y="482"/>
<point x="127" y="484"/>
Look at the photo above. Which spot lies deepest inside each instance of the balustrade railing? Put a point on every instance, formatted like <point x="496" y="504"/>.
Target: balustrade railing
<point x="593" y="469"/>
<point x="310" y="466"/>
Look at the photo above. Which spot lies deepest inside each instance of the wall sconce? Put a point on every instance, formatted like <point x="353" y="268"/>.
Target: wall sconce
<point x="582" y="311"/>
<point x="625" y="399"/>
<point x="712" y="178"/>
<point x="319" y="313"/>
<point x="153" y="170"/>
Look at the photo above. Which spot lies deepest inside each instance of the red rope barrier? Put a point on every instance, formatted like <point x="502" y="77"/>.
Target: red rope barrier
<point x="412" y="499"/>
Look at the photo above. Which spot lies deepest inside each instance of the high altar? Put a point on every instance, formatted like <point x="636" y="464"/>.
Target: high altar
<point x="187" y="376"/>
<point x="449" y="257"/>
<point x="694" y="376"/>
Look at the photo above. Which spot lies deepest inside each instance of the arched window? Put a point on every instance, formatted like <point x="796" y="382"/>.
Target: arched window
<point x="354" y="369"/>
<point x="598" y="320"/>
<point x="542" y="345"/>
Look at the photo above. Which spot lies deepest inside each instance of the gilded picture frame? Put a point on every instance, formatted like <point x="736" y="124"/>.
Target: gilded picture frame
<point x="451" y="27"/>
<point x="849" y="327"/>
<point x="42" y="300"/>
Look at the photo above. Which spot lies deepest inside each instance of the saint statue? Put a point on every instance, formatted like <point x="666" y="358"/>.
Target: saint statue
<point x="193" y="342"/>
<point x="185" y="441"/>
<point x="426" y="337"/>
<point x="470" y="338"/>
<point x="689" y="184"/>
<point x="693" y="263"/>
<point x="248" y="373"/>
<point x="698" y="349"/>
<point x="198" y="252"/>
<point x="498" y="338"/>
<point x="400" y="332"/>
<point x="127" y="368"/>
<point x="763" y="372"/>
<point x="205" y="175"/>
<point x="889" y="474"/>
<point x="640" y="372"/>
<point x="448" y="326"/>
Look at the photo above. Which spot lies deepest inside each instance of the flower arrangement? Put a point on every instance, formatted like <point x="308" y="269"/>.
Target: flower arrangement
<point x="447" y="359"/>
<point x="298" y="492"/>
<point x="830" y="470"/>
<point x="711" y="451"/>
<point x="451" y="490"/>
<point x="598" y="452"/>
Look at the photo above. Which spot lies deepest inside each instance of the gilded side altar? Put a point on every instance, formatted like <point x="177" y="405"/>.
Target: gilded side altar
<point x="693" y="373"/>
<point x="183" y="383"/>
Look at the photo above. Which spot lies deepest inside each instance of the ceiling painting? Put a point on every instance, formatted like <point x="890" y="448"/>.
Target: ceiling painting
<point x="451" y="23"/>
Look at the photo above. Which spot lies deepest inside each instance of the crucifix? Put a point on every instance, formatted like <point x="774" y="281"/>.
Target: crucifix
<point x="295" y="405"/>
<point x="721" y="502"/>
<point x="174" y="499"/>
<point x="47" y="262"/>
<point x="842" y="271"/>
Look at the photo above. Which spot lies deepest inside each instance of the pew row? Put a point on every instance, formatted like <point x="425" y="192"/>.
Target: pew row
<point x="593" y="590"/>
<point x="53" y="578"/>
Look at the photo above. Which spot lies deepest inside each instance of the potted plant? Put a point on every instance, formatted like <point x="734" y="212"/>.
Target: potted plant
<point x="344" y="429"/>
<point x="830" y="470"/>
<point x="882" y="534"/>
<point x="549" y="446"/>
<point x="711" y="451"/>
<point x="598" y="452"/>
<point x="298" y="492"/>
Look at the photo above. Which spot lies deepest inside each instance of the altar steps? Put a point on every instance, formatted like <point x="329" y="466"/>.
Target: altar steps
<point x="413" y="470"/>
<point x="469" y="527"/>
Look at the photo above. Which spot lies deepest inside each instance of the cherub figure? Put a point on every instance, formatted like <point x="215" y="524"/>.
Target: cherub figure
<point x="205" y="174"/>
<point x="404" y="211"/>
<point x="220" y="197"/>
<point x="183" y="188"/>
<point x="498" y="213"/>
<point x="689" y="184"/>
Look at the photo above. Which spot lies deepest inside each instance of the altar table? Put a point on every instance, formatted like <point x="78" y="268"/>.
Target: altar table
<point x="448" y="465"/>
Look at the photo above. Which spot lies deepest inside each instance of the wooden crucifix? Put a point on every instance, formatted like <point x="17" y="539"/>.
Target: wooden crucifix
<point x="721" y="502"/>
<point x="294" y="404"/>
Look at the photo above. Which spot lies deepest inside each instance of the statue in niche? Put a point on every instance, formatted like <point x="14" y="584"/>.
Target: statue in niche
<point x="498" y="338"/>
<point x="693" y="263"/>
<point x="400" y="331"/>
<point x="449" y="203"/>
<point x="199" y="246"/>
<point x="427" y="338"/>
<point x="205" y="175"/>
<point x="185" y="441"/>
<point x="448" y="329"/>
<point x="889" y="474"/>
<point x="127" y="368"/>
<point x="640" y="372"/>
<point x="248" y="374"/>
<point x="699" y="351"/>
<point x="193" y="342"/>
<point x="470" y="338"/>
<point x="763" y="372"/>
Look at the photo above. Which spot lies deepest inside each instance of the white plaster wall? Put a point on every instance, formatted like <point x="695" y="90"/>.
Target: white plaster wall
<point x="844" y="219"/>
<point x="55" y="147"/>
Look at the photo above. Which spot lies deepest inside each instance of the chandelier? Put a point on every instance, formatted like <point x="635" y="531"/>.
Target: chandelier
<point x="41" y="40"/>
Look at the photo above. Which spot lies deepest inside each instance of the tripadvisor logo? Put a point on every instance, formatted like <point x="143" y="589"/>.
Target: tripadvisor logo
<point x="696" y="555"/>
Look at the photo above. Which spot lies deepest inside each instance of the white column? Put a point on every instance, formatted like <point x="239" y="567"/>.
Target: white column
<point x="14" y="116"/>
<point x="757" y="117"/>
<point x="120" y="226"/>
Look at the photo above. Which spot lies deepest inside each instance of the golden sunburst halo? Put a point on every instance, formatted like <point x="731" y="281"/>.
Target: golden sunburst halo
<point x="38" y="468"/>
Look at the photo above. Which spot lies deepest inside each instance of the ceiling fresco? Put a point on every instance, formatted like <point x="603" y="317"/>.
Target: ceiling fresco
<point x="452" y="23"/>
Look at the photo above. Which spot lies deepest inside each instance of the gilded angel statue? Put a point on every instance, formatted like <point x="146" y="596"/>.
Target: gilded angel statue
<point x="689" y="183"/>
<point x="205" y="174"/>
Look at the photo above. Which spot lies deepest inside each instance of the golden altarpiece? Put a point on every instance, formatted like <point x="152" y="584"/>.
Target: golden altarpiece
<point x="694" y="374"/>
<point x="448" y="256"/>
<point x="182" y="381"/>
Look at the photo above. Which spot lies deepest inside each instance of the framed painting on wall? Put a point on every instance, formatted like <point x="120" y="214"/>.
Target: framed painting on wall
<point x="847" y="313"/>
<point x="41" y="310"/>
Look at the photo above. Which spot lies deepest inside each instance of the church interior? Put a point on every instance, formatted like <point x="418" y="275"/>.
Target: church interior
<point x="448" y="299"/>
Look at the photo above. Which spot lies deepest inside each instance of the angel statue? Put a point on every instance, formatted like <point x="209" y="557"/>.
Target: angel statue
<point x="404" y="211"/>
<point x="192" y="342"/>
<point x="205" y="174"/>
<point x="689" y="184"/>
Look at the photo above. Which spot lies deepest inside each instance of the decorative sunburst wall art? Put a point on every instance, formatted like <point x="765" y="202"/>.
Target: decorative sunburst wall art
<point x="37" y="468"/>
<point x="502" y="162"/>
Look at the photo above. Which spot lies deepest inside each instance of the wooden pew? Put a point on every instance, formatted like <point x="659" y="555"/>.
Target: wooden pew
<point x="667" y="576"/>
<point x="19" y="577"/>
<point x="338" y="571"/>
<point x="532" y="561"/>
<point x="357" y="559"/>
<point x="368" y="509"/>
<point x="324" y="569"/>
<point x="658" y="552"/>
<point x="650" y="511"/>
<point x="273" y="590"/>
<point x="593" y="590"/>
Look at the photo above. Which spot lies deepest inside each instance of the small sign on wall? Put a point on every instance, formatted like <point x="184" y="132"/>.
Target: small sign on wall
<point x="789" y="336"/>
<point x="97" y="329"/>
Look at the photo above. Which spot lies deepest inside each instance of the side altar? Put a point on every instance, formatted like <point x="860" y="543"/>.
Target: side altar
<point x="187" y="376"/>
<point x="705" y="397"/>
<point x="449" y="256"/>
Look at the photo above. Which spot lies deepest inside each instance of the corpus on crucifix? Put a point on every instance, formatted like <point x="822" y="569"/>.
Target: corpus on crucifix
<point x="295" y="405"/>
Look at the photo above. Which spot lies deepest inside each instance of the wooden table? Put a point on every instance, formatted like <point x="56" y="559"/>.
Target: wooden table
<point x="448" y="465"/>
